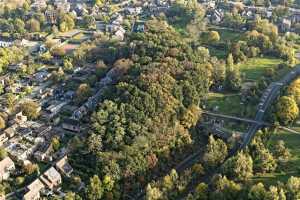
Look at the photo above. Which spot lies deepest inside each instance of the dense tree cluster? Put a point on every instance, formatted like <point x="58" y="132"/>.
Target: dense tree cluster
<point x="147" y="114"/>
<point x="9" y="56"/>
<point x="226" y="189"/>
<point x="31" y="109"/>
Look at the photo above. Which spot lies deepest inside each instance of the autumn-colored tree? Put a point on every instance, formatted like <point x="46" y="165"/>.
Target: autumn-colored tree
<point x="153" y="193"/>
<point x="94" y="190"/>
<point x="201" y="192"/>
<point x="257" y="192"/>
<point x="58" y="76"/>
<point x="225" y="189"/>
<point x="3" y="153"/>
<point x="239" y="167"/>
<point x="281" y="152"/>
<point x="287" y="110"/>
<point x="83" y="92"/>
<point x="275" y="193"/>
<point x="2" y="123"/>
<point x="58" y="51"/>
<point x="69" y="196"/>
<point x="293" y="188"/>
<point x="213" y="36"/>
<point x="216" y="152"/>
<point x="294" y="90"/>
<point x="11" y="100"/>
<point x="31" y="168"/>
<point x="265" y="161"/>
<point x="55" y="143"/>
<point x="94" y="143"/>
<point x="31" y="109"/>
<point x="33" y="25"/>
<point x="191" y="116"/>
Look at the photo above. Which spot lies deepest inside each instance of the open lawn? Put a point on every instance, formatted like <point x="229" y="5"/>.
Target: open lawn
<point x="226" y="34"/>
<point x="292" y="168"/>
<point x="229" y="104"/>
<point x="255" y="68"/>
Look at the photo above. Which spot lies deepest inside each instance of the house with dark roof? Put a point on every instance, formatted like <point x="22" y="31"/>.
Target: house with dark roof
<point x="71" y="125"/>
<point x="64" y="167"/>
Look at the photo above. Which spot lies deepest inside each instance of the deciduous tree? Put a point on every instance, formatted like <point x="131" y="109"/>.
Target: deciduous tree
<point x="216" y="152"/>
<point x="31" y="109"/>
<point x="287" y="110"/>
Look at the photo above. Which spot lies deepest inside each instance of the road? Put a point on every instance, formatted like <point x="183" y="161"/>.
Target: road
<point x="232" y="117"/>
<point x="269" y="96"/>
<point x="248" y="121"/>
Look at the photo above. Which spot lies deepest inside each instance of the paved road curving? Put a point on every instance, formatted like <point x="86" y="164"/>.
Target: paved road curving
<point x="268" y="97"/>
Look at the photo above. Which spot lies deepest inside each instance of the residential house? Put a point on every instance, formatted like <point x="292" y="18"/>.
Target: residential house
<point x="51" y="16"/>
<point x="71" y="125"/>
<point x="15" y="67"/>
<point x="44" y="153"/>
<point x="51" y="178"/>
<point x="3" y="79"/>
<point x="138" y="26"/>
<point x="216" y="16"/>
<point x="39" y="5"/>
<point x="62" y="5"/>
<point x="31" y="46"/>
<point x="11" y="131"/>
<point x="54" y="109"/>
<point x="19" y="118"/>
<point x="3" y="138"/>
<point x="14" y="88"/>
<point x="20" y="150"/>
<point x="6" y="167"/>
<point x="120" y="34"/>
<point x="33" y="190"/>
<point x="41" y="76"/>
<point x="64" y="167"/>
<point x="133" y="11"/>
<point x="118" y="19"/>
<point x="285" y="25"/>
<point x="295" y="18"/>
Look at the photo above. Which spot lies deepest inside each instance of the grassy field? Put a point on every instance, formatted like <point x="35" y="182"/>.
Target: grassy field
<point x="226" y="34"/>
<point x="229" y="104"/>
<point x="255" y="68"/>
<point x="292" y="168"/>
